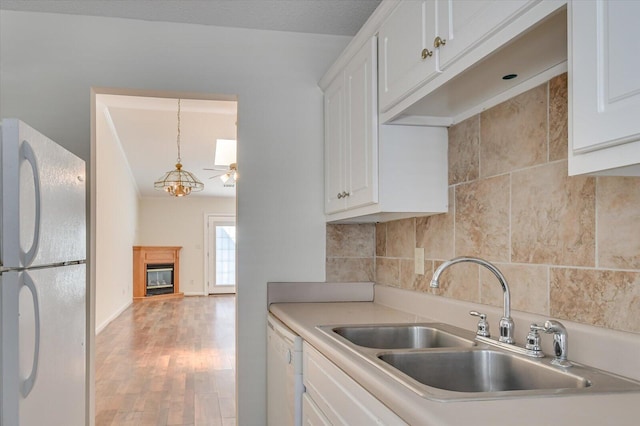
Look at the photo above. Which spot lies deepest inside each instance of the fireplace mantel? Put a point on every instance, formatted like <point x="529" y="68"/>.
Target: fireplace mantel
<point x="154" y="255"/>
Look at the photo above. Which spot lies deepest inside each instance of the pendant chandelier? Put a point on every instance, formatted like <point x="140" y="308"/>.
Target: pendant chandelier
<point x="178" y="182"/>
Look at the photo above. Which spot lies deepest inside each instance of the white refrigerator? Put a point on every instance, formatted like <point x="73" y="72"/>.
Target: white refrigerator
<point x="42" y="280"/>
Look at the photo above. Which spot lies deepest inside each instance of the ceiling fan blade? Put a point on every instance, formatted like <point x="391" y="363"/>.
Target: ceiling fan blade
<point x="216" y="175"/>
<point x="218" y="169"/>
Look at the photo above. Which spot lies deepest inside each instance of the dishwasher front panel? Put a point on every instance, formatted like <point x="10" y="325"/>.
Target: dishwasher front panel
<point x="284" y="375"/>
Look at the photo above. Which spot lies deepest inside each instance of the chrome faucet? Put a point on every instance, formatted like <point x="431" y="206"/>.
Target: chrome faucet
<point x="560" y="341"/>
<point x="506" y="322"/>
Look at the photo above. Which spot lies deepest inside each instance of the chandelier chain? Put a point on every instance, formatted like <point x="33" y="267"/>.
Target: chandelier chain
<point x="178" y="137"/>
<point x="178" y="182"/>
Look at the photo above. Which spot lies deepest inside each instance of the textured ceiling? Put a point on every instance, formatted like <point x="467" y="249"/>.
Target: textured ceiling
<point x="338" y="17"/>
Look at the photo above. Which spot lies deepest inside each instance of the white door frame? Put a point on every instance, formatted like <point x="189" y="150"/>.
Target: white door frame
<point x="209" y="267"/>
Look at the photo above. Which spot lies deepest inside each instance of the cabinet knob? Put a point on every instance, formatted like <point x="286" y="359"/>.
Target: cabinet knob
<point x="437" y="42"/>
<point x="340" y="195"/>
<point x="426" y="53"/>
<point x="345" y="194"/>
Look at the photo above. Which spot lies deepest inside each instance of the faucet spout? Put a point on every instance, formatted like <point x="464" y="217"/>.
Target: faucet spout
<point x="506" y="322"/>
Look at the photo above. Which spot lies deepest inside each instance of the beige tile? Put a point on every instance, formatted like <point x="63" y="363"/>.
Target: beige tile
<point x="618" y="207"/>
<point x="435" y="233"/>
<point x="381" y="239"/>
<point x="407" y="274"/>
<point x="482" y="219"/>
<point x="514" y="133"/>
<point x="460" y="281"/>
<point x="604" y="298"/>
<point x="350" y="240"/>
<point x="401" y="238"/>
<point x="464" y="151"/>
<point x="552" y="217"/>
<point x="349" y="269"/>
<point x="388" y="271"/>
<point x="423" y="283"/>
<point x="528" y="285"/>
<point x="558" y="118"/>
<point x="409" y="280"/>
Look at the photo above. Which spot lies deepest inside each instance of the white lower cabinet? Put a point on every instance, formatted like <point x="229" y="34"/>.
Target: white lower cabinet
<point x="332" y="397"/>
<point x="311" y="414"/>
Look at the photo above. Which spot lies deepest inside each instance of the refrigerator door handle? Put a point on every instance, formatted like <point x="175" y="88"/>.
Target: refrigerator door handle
<point x="27" y="153"/>
<point x="30" y="381"/>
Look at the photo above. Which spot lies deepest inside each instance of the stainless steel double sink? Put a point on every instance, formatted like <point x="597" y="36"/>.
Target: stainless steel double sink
<point x="443" y="362"/>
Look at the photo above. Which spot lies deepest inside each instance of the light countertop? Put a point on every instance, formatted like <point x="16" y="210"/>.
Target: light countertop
<point x="302" y="318"/>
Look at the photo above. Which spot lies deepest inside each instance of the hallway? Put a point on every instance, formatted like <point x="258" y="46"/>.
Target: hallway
<point x="168" y="362"/>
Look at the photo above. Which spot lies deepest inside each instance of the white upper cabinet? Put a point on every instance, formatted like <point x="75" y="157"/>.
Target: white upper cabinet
<point x="334" y="148"/>
<point x="351" y="134"/>
<point x="362" y="127"/>
<point x="604" y="87"/>
<point x="406" y="50"/>
<point x="442" y="61"/>
<point x="463" y="24"/>
<point x="376" y="173"/>
<point x="420" y="39"/>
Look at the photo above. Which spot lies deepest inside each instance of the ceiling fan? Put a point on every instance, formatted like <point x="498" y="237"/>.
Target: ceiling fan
<point x="225" y="154"/>
<point x="228" y="174"/>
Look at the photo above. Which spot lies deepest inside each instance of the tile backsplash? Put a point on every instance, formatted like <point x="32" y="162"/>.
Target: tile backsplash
<point x="569" y="246"/>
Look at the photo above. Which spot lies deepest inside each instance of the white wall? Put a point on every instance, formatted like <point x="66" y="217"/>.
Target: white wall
<point x="117" y="212"/>
<point x="170" y="221"/>
<point x="49" y="62"/>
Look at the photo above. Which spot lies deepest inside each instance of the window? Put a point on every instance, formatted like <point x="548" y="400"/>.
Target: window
<point x="225" y="256"/>
<point x="220" y="256"/>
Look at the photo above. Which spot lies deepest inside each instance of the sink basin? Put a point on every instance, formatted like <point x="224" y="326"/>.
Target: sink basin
<point x="445" y="363"/>
<point x="481" y="371"/>
<point x="403" y="336"/>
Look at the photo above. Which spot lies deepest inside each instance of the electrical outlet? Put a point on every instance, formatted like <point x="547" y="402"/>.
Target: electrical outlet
<point x="419" y="261"/>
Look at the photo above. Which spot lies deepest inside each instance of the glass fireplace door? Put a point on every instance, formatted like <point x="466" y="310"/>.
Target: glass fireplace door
<point x="159" y="279"/>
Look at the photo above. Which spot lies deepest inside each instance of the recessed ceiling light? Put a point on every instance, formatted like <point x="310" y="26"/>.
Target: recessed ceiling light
<point x="509" y="76"/>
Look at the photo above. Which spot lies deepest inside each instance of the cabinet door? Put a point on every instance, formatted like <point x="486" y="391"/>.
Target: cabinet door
<point x="334" y="146"/>
<point x="362" y="127"/>
<point x="465" y="24"/>
<point x="404" y="35"/>
<point x="340" y="398"/>
<point x="311" y="414"/>
<point x="605" y="80"/>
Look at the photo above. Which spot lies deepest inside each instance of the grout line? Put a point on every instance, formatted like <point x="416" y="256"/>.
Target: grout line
<point x="453" y="243"/>
<point x="548" y="120"/>
<point x="510" y="217"/>
<point x="549" y="290"/>
<point x="479" y="146"/>
<point x="596" y="261"/>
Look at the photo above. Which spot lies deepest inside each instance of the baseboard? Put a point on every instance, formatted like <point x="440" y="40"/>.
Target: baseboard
<point x="194" y="293"/>
<point x="115" y="315"/>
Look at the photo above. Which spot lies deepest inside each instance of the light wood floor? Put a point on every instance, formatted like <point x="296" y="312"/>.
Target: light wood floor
<point x="168" y="362"/>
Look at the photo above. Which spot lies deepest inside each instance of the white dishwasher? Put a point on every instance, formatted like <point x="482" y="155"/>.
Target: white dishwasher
<point x="284" y="375"/>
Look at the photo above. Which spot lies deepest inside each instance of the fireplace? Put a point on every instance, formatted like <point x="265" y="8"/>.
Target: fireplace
<point x="159" y="279"/>
<point x="156" y="272"/>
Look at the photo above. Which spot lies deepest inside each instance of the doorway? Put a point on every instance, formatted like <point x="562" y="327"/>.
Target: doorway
<point x="220" y="254"/>
<point x="124" y="208"/>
